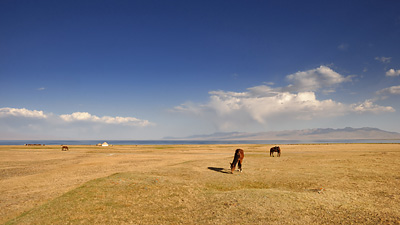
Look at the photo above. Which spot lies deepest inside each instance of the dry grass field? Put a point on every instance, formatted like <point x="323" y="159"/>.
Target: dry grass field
<point x="192" y="184"/>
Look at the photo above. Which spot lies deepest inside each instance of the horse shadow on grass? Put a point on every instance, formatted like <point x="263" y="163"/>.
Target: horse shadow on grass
<point x="218" y="169"/>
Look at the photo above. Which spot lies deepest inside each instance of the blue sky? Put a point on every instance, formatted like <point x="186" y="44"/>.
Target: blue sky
<point x="150" y="69"/>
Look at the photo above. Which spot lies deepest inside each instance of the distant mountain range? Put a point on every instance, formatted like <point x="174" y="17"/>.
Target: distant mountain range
<point x="308" y="134"/>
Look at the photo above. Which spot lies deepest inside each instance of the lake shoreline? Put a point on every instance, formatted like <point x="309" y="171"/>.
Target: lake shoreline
<point x="196" y="142"/>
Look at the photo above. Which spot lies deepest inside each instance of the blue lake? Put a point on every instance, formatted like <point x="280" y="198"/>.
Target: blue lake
<point x="186" y="142"/>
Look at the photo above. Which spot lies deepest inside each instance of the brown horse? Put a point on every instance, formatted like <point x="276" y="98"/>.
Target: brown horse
<point x="275" y="149"/>
<point x="64" y="148"/>
<point x="238" y="158"/>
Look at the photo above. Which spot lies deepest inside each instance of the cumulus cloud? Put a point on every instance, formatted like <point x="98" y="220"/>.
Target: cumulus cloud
<point x="15" y="112"/>
<point x="74" y="117"/>
<point x="369" y="106"/>
<point x="315" y="79"/>
<point x="85" y="116"/>
<point x="393" y="73"/>
<point x="263" y="104"/>
<point x="394" y="90"/>
<point x="383" y="59"/>
<point x="260" y="106"/>
<point x="24" y="123"/>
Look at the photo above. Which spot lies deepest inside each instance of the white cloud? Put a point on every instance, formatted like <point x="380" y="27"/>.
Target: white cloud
<point x="85" y="116"/>
<point x="79" y="116"/>
<point x="394" y="90"/>
<point x="384" y="59"/>
<point x="369" y="106"/>
<point x="74" y="117"/>
<point x="260" y="105"/>
<point x="24" y="123"/>
<point x="14" y="112"/>
<point x="393" y="73"/>
<point x="41" y="89"/>
<point x="314" y="79"/>
<point x="264" y="104"/>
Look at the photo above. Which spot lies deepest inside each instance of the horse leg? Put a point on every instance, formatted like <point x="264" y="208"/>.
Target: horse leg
<point x="240" y="165"/>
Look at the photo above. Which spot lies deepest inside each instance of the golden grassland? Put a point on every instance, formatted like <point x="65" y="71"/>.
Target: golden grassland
<point x="192" y="184"/>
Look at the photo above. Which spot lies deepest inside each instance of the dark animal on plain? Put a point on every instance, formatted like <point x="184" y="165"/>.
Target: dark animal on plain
<point x="238" y="158"/>
<point x="275" y="149"/>
<point x="64" y="148"/>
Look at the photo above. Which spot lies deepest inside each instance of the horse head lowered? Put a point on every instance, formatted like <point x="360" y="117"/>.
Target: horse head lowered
<point x="237" y="159"/>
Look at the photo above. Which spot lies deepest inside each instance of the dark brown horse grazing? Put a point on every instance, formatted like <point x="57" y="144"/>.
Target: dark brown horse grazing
<point x="64" y="148"/>
<point x="238" y="158"/>
<point x="275" y="149"/>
